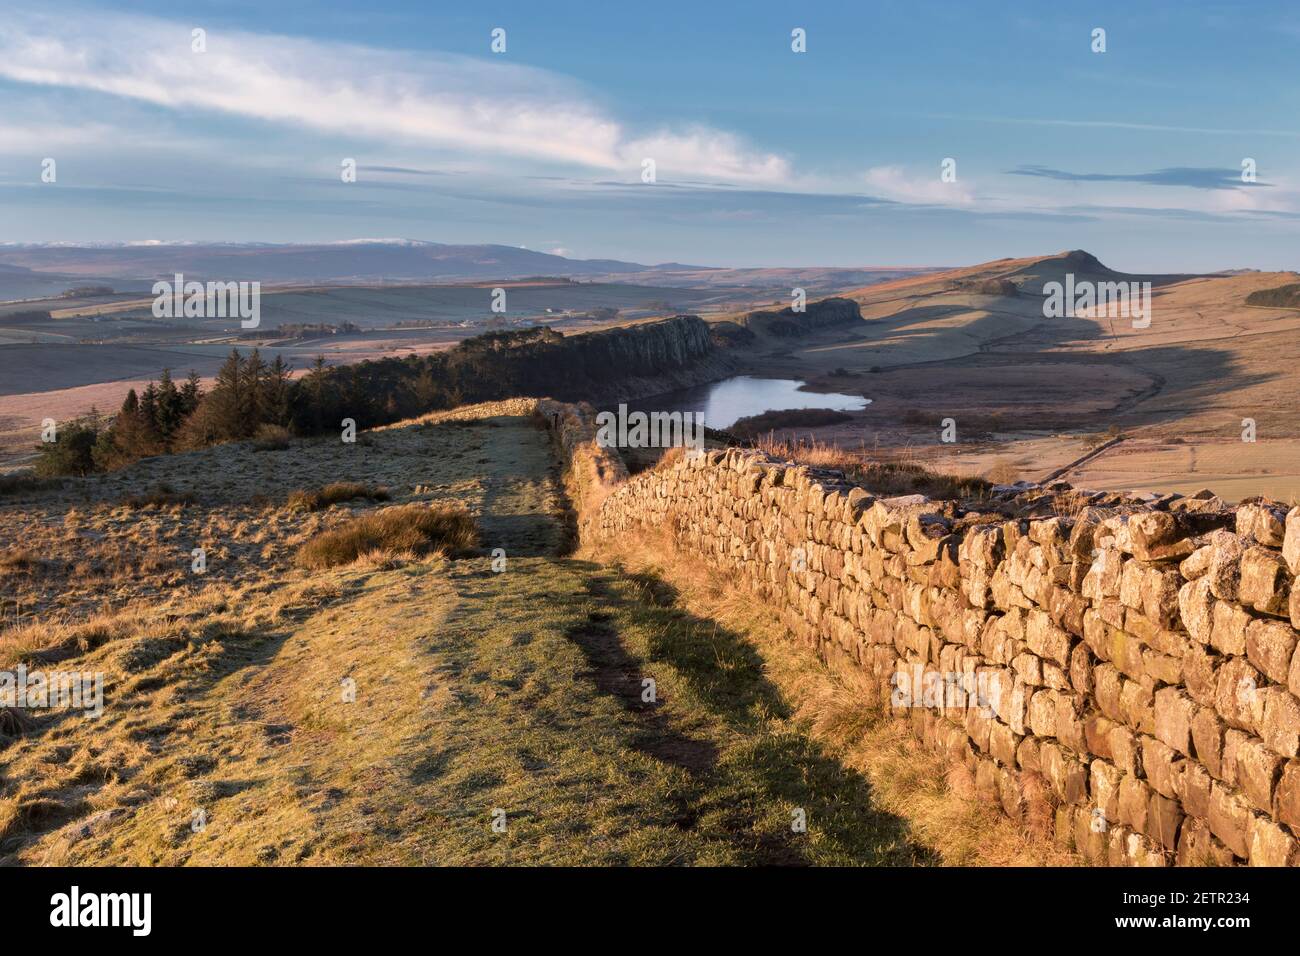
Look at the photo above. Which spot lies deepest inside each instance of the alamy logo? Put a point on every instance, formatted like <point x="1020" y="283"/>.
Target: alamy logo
<point x="1108" y="299"/>
<point x="32" y="690"/>
<point x="653" y="430"/>
<point x="103" y="909"/>
<point x="948" y="690"/>
<point x="215" y="300"/>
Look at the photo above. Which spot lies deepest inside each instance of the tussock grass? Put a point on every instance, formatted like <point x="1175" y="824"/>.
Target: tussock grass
<point x="413" y="529"/>
<point x="18" y="559"/>
<point x="271" y="438"/>
<point x="321" y="498"/>
<point x="47" y="641"/>
<point x="13" y="722"/>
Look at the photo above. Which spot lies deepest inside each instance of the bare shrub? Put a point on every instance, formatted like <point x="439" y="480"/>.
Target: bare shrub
<point x="1004" y="473"/>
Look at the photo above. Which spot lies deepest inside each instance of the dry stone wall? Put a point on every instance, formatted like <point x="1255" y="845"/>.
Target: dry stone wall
<point x="1126" y="673"/>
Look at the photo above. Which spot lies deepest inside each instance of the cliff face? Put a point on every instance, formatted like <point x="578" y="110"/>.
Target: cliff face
<point x="644" y="349"/>
<point x="653" y="358"/>
<point x="828" y="313"/>
<point x="619" y="363"/>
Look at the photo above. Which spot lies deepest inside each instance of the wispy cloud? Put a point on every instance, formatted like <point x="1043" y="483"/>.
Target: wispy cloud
<point x="1117" y="124"/>
<point x="1193" y="177"/>
<point x="404" y="171"/>
<point x="1159" y="212"/>
<point x="894" y="182"/>
<point x="434" y="99"/>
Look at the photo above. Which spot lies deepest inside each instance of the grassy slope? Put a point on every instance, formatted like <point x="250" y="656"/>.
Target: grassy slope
<point x="474" y="691"/>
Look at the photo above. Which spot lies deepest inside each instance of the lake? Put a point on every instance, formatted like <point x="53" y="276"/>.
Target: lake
<point x="726" y="402"/>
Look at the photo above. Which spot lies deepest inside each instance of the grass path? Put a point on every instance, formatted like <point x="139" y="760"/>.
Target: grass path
<point x="436" y="712"/>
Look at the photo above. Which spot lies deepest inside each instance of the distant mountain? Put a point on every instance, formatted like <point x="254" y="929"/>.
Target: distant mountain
<point x="362" y="260"/>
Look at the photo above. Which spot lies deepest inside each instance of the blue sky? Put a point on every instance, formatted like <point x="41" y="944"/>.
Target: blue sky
<point x="763" y="156"/>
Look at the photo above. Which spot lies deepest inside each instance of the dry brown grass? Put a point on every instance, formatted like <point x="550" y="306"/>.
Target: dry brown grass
<point x="335" y="493"/>
<point x="670" y="457"/>
<point x="49" y="641"/>
<point x="907" y="778"/>
<point x="783" y="419"/>
<point x="92" y="562"/>
<point x="18" y="559"/>
<point x="893" y="477"/>
<point x="161" y="495"/>
<point x="404" y="529"/>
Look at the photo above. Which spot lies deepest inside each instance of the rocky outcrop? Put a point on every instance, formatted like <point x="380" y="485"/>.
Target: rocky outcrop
<point x="825" y="314"/>
<point x="730" y="335"/>
<point x="1281" y="297"/>
<point x="1002" y="287"/>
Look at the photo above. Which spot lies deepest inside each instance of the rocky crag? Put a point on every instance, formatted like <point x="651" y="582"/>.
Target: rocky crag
<point x="817" y="316"/>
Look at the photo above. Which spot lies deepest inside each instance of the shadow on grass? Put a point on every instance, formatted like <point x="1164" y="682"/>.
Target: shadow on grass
<point x="767" y="768"/>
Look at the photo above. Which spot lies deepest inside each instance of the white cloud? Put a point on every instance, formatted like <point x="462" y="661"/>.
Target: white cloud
<point x="437" y="100"/>
<point x="708" y="153"/>
<point x="43" y="137"/>
<point x="893" y="182"/>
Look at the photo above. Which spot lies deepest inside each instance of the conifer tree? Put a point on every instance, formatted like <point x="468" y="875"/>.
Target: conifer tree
<point x="191" y="393"/>
<point x="254" y="394"/>
<point x="315" y="388"/>
<point x="228" y="404"/>
<point x="127" y="440"/>
<point x="148" y="414"/>
<point x="278" y="393"/>
<point x="167" y="414"/>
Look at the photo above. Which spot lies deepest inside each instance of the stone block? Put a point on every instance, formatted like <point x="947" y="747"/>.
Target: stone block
<point x="1230" y="819"/>
<point x="1270" y="646"/>
<point x="1265" y="581"/>
<point x="1174" y="711"/>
